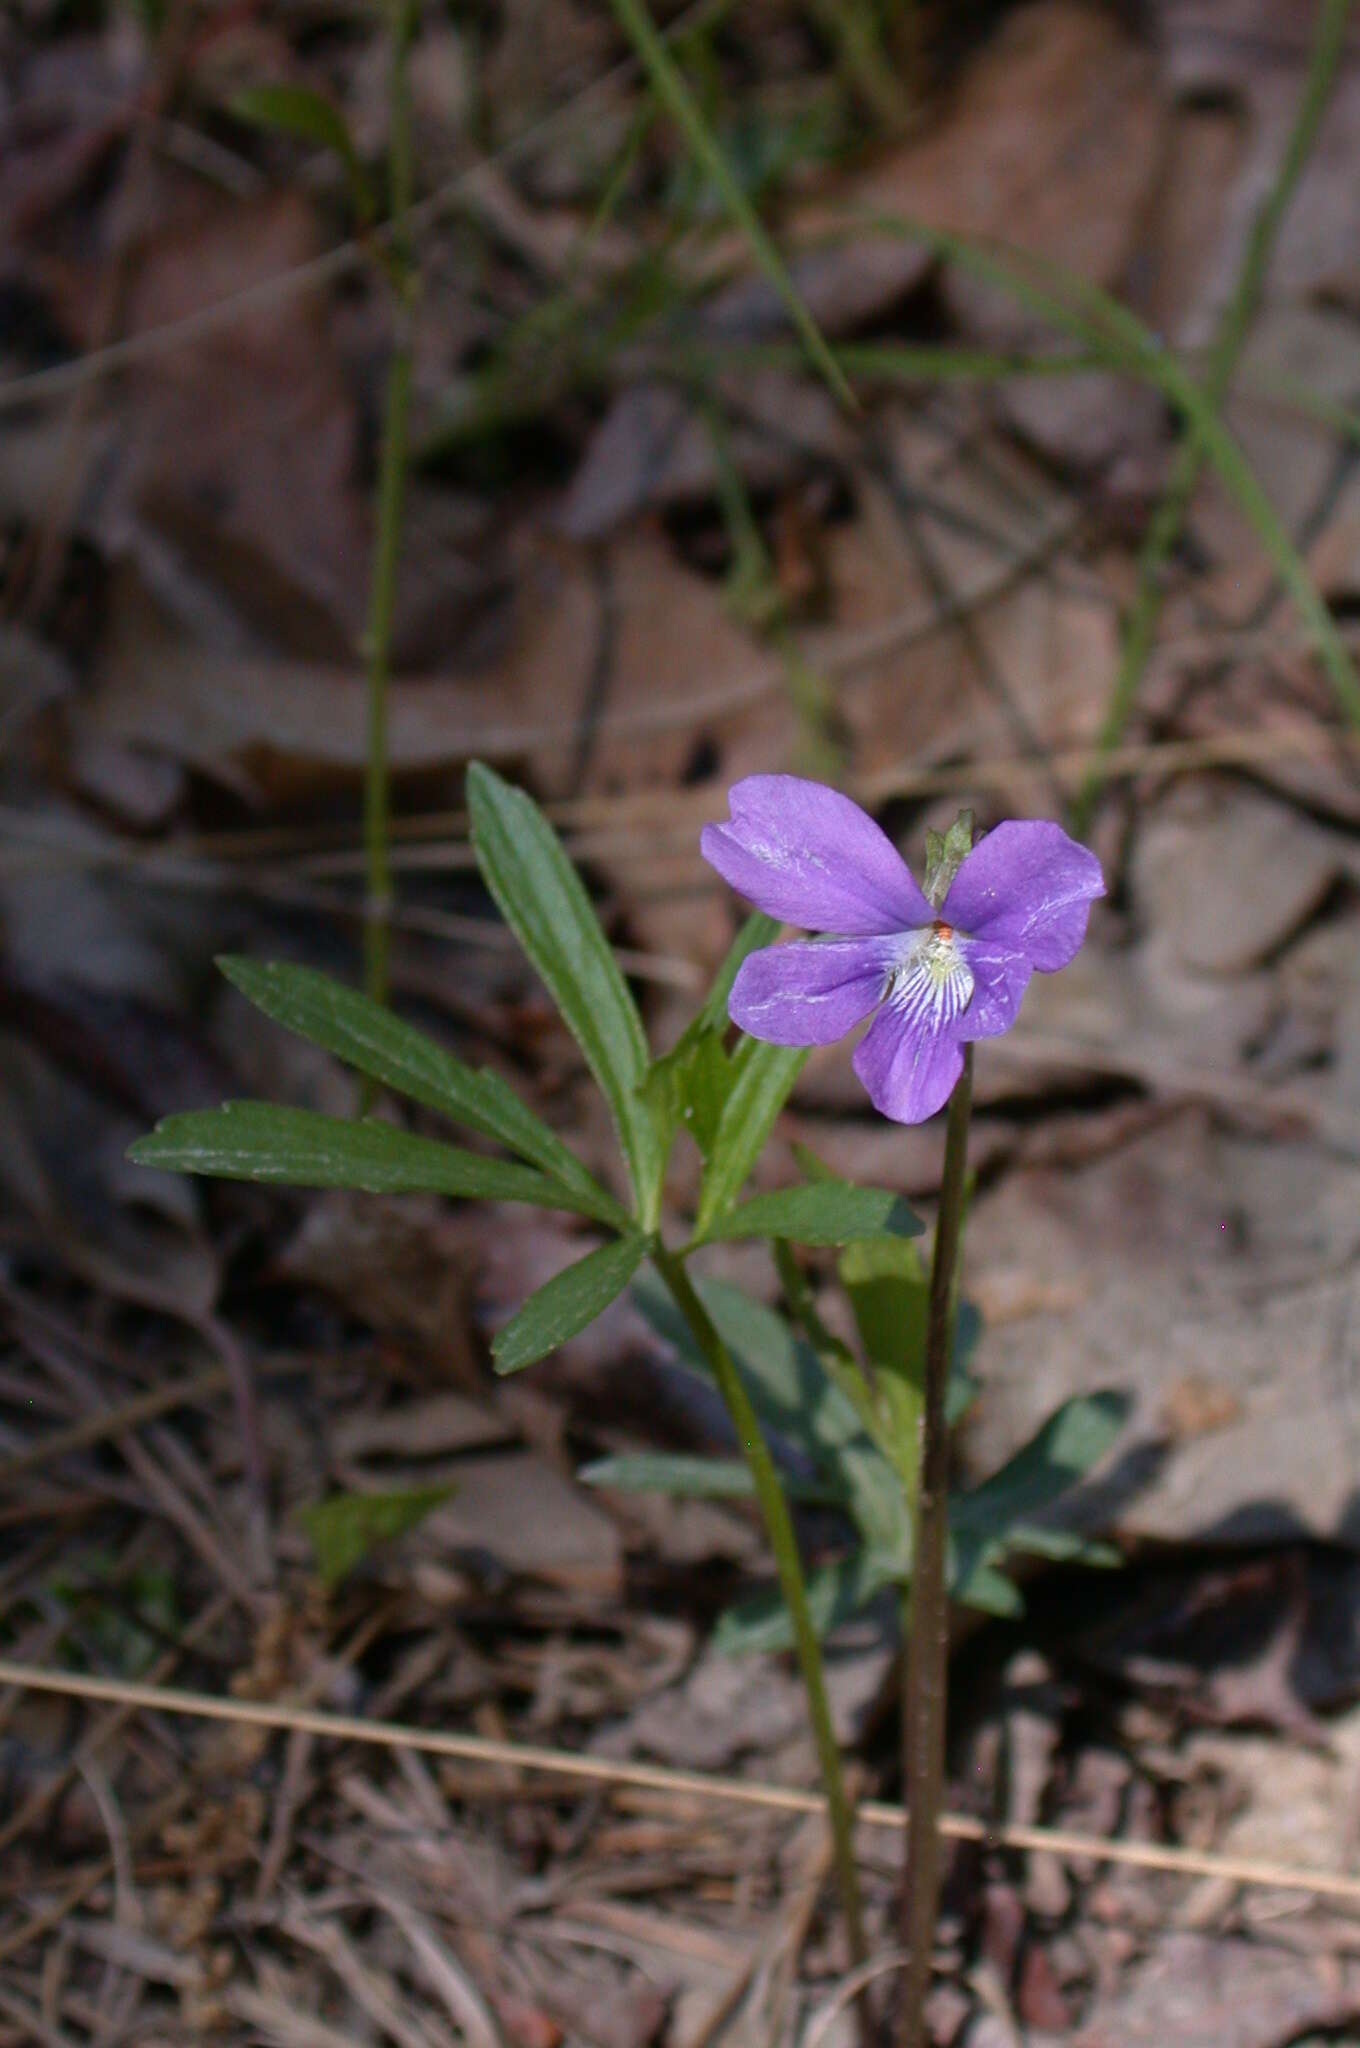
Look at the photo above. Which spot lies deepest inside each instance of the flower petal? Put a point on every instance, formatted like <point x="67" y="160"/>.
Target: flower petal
<point x="1000" y="978"/>
<point x="809" y="993"/>
<point x="804" y="853"/>
<point x="911" y="1056"/>
<point x="1028" y="886"/>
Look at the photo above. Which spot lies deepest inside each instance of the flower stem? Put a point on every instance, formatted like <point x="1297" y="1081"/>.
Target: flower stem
<point x="788" y="1565"/>
<point x="387" y="539"/>
<point x="927" y="1603"/>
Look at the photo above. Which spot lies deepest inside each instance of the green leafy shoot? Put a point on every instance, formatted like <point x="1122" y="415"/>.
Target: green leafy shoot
<point x="368" y="1037"/>
<point x="344" y="1529"/>
<point x="543" y="900"/>
<point x="846" y="1450"/>
<point x="308" y="116"/>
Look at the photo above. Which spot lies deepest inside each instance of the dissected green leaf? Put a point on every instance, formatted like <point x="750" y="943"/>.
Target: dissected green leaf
<point x="543" y="900"/>
<point x="765" y="1077"/>
<point x="270" y="1142"/>
<point x="344" y="1529"/>
<point x="300" y="111"/>
<point x="367" y="1036"/>
<point x="819" y="1212"/>
<point x="566" y="1303"/>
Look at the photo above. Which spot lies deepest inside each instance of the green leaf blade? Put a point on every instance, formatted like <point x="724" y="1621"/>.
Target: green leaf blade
<point x="266" y="1141"/>
<point x="1060" y="1454"/>
<point x="371" y="1039"/>
<point x="307" y="115"/>
<point x="543" y="900"/>
<point x="345" y="1528"/>
<point x="687" y="1478"/>
<point x="820" y="1212"/>
<point x="762" y="1087"/>
<point x="566" y="1303"/>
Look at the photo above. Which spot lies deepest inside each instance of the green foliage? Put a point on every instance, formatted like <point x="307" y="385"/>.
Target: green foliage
<point x="666" y="1472"/>
<point x="819" y="1212"/>
<point x="299" y="111"/>
<point x="761" y="1085"/>
<point x="269" y="1142"/>
<point x="810" y="1391"/>
<point x="788" y="1389"/>
<point x="345" y="1528"/>
<point x="669" y="85"/>
<point x="567" y="1303"/>
<point x="369" y="1038"/>
<point x="542" y="899"/>
<point x="836" y="1594"/>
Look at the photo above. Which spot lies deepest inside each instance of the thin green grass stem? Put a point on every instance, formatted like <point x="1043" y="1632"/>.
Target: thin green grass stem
<point x="668" y="83"/>
<point x="1159" y="545"/>
<point x="926" y="1604"/>
<point x="789" y="1568"/>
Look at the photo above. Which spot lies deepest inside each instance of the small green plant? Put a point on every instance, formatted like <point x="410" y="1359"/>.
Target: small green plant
<point x="939" y="967"/>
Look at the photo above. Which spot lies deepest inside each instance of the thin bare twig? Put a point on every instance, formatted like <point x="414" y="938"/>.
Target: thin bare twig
<point x="568" y="1764"/>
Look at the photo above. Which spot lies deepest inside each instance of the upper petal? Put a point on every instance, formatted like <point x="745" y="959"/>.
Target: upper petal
<point x="1027" y="886"/>
<point x="808" y="993"/>
<point x="1000" y="977"/>
<point x="808" y="855"/>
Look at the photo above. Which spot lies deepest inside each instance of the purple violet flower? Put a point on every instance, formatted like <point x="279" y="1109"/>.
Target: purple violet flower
<point x="937" y="977"/>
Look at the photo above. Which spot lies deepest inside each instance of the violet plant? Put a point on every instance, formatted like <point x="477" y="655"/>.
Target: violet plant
<point x="943" y="967"/>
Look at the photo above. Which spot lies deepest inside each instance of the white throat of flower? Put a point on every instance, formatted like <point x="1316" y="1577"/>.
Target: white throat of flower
<point x="931" y="983"/>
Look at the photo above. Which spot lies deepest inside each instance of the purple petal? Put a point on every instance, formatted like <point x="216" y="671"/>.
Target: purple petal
<point x="1000" y="978"/>
<point x="804" y="853"/>
<point x="908" y="1068"/>
<point x="1028" y="886"/>
<point x="808" y="993"/>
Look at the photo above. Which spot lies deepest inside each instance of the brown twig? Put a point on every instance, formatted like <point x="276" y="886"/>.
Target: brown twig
<point x="570" y="1764"/>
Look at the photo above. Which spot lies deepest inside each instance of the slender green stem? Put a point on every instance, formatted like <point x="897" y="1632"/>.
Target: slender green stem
<point x="391" y="496"/>
<point x="1163" y="534"/>
<point x="927" y="1604"/>
<point x="788" y="1565"/>
<point x="668" y="83"/>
